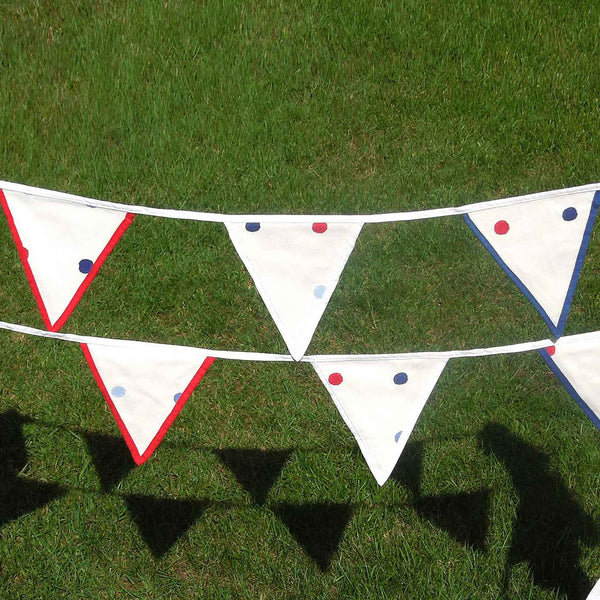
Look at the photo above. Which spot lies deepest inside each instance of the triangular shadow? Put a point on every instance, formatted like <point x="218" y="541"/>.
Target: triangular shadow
<point x="111" y="457"/>
<point x="255" y="470"/>
<point x="162" y="521"/>
<point x="19" y="496"/>
<point x="464" y="516"/>
<point x="318" y="528"/>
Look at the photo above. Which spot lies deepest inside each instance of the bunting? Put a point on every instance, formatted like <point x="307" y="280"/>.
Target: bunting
<point x="296" y="267"/>
<point x="380" y="401"/>
<point x="62" y="247"/>
<point x="541" y="246"/>
<point x="145" y="386"/>
<point x="574" y="359"/>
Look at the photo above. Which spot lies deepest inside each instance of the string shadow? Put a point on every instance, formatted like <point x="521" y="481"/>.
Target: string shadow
<point x="464" y="516"/>
<point x="162" y="521"/>
<point x="111" y="458"/>
<point x="549" y="524"/>
<point x="19" y="496"/>
<point x="255" y="470"/>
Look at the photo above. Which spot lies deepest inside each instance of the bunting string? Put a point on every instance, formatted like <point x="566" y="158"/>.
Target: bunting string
<point x="189" y="215"/>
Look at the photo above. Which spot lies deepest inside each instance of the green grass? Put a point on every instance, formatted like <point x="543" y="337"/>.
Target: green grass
<point x="308" y="107"/>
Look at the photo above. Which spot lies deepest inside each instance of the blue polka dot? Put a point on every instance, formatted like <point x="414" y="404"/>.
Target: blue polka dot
<point x="400" y="378"/>
<point x="118" y="391"/>
<point x="176" y="397"/>
<point x="252" y="227"/>
<point x="397" y="436"/>
<point x="570" y="214"/>
<point x="320" y="291"/>
<point x="85" y="265"/>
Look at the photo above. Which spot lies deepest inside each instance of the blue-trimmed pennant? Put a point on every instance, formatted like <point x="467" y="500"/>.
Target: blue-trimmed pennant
<point x="541" y="245"/>
<point x="574" y="360"/>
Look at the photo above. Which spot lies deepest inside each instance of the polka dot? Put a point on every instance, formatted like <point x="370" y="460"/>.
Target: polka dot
<point x="551" y="350"/>
<point x="501" y="227"/>
<point x="319" y="227"/>
<point x="400" y="378"/>
<point x="320" y="291"/>
<point x="118" y="391"/>
<point x="397" y="436"/>
<point x="252" y="227"/>
<point x="176" y="396"/>
<point x="570" y="214"/>
<point x="85" y="265"/>
<point x="25" y="253"/>
<point x="335" y="379"/>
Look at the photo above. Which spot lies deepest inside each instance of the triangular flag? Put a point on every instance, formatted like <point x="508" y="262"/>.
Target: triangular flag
<point x="380" y="401"/>
<point x="62" y="247"/>
<point x="541" y="245"/>
<point x="145" y="386"/>
<point x="296" y="267"/>
<point x="574" y="359"/>
<point x="595" y="593"/>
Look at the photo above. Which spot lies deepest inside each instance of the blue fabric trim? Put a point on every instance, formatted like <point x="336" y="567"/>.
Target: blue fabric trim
<point x="563" y="379"/>
<point x="556" y="329"/>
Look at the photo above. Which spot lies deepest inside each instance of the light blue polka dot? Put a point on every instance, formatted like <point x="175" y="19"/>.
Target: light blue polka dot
<point x="320" y="291"/>
<point x="118" y="391"/>
<point x="176" y="396"/>
<point x="397" y="436"/>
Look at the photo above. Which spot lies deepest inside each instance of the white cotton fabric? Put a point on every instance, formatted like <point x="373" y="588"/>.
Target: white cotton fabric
<point x="295" y="271"/>
<point x="595" y="593"/>
<point x="142" y="382"/>
<point x="58" y="236"/>
<point x="540" y="247"/>
<point x="578" y="358"/>
<point x="381" y="413"/>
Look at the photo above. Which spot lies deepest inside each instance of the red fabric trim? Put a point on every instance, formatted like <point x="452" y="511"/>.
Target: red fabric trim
<point x="137" y="457"/>
<point x="23" y="255"/>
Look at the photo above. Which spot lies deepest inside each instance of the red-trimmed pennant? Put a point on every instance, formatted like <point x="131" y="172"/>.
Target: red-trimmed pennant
<point x="62" y="247"/>
<point x="145" y="386"/>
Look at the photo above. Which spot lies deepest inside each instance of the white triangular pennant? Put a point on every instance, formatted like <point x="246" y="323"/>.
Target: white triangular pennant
<point x="296" y="267"/>
<point x="575" y="359"/>
<point x="541" y="246"/>
<point x="62" y="247"/>
<point x="380" y="401"/>
<point x="145" y="386"/>
<point x="595" y="593"/>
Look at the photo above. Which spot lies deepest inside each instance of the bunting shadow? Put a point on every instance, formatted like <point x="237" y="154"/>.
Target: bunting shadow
<point x="409" y="468"/>
<point x="111" y="458"/>
<point x="464" y="516"/>
<point x="550" y="523"/>
<point x="318" y="528"/>
<point x="19" y="496"/>
<point x="255" y="470"/>
<point x="162" y="521"/>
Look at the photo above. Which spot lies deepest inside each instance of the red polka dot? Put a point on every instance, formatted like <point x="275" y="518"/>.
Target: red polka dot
<point x="319" y="227"/>
<point x="551" y="350"/>
<point x="501" y="227"/>
<point x="335" y="379"/>
<point x="25" y="253"/>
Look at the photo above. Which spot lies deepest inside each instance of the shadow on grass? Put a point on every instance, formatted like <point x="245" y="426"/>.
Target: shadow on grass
<point x="162" y="521"/>
<point x="318" y="528"/>
<point x="464" y="515"/>
<point x="549" y="524"/>
<point x="19" y="496"/>
<point x="111" y="457"/>
<point x="255" y="470"/>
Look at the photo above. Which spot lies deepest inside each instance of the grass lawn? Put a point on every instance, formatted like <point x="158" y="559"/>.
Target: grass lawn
<point x="259" y="490"/>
